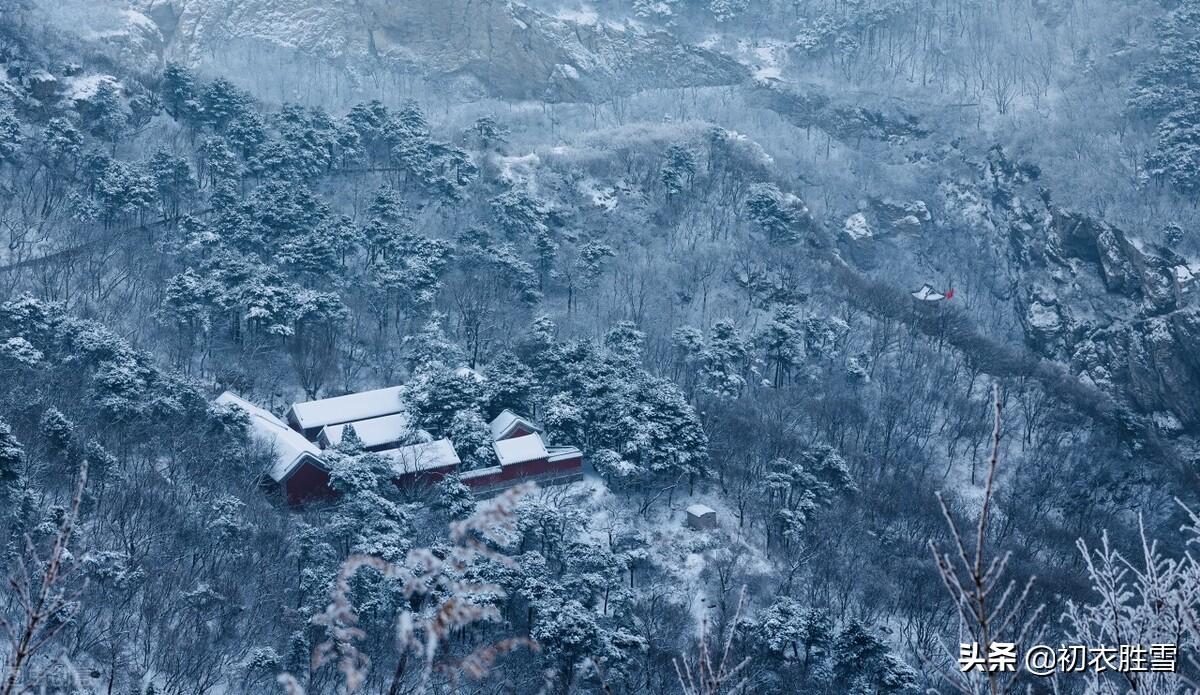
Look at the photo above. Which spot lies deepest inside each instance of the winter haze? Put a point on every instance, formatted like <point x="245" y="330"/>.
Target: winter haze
<point x="628" y="346"/>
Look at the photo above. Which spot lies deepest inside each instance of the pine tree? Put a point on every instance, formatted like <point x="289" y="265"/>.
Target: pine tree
<point x="178" y="90"/>
<point x="782" y="341"/>
<point x="509" y="384"/>
<point x="103" y="113"/>
<point x="10" y="136"/>
<point x="221" y="102"/>
<point x="57" y="431"/>
<point x="173" y="181"/>
<point x="678" y="170"/>
<point x="11" y="455"/>
<point x="782" y="218"/>
<point x="351" y="444"/>
<point x="472" y="439"/>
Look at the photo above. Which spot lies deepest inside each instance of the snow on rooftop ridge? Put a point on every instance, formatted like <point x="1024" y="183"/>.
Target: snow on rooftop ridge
<point x="290" y="447"/>
<point x="507" y="421"/>
<point x="700" y="509"/>
<point x="349" y="408"/>
<point x="520" y="449"/>
<point x="425" y="456"/>
<point x="375" y="431"/>
<point x="560" y="453"/>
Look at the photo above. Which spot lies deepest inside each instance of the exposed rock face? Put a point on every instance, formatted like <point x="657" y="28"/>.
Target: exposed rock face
<point x="500" y="48"/>
<point x="1122" y="314"/>
<point x="1117" y="312"/>
<point x="811" y="107"/>
<point x="1124" y="269"/>
<point x="1156" y="361"/>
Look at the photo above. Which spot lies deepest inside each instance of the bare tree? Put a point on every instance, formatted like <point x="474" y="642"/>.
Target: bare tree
<point x="713" y="673"/>
<point x="992" y="609"/>
<point x="40" y="590"/>
<point x="419" y="635"/>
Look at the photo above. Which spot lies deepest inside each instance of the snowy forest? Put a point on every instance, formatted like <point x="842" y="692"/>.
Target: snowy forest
<point x="901" y="294"/>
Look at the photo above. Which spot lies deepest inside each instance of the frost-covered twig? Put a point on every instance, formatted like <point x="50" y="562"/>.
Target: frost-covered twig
<point x="40" y="598"/>
<point x="988" y="606"/>
<point x="424" y="573"/>
<point x="709" y="677"/>
<point x="1152" y="602"/>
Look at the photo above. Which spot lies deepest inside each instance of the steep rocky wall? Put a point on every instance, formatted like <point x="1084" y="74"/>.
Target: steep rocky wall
<point x="499" y="48"/>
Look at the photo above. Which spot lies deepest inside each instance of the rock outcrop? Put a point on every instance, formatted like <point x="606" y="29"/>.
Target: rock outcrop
<point x="498" y="48"/>
<point x="808" y="106"/>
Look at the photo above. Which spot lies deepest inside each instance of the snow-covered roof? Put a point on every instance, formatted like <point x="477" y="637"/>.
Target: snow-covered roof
<point x="520" y="449"/>
<point x="700" y="510"/>
<point x="507" y="421"/>
<point x="375" y="431"/>
<point x="349" y="408"/>
<point x="479" y="472"/>
<point x="558" y="453"/>
<point x="928" y="294"/>
<point x="290" y="447"/>
<point x="422" y="457"/>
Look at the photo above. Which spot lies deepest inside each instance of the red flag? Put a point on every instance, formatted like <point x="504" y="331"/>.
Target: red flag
<point x="950" y="293"/>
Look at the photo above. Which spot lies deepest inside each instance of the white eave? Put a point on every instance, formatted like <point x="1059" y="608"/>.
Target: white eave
<point x="290" y="447"/>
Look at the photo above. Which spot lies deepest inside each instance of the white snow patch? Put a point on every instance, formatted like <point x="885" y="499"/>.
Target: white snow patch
<point x="519" y="169"/>
<point x="1167" y="422"/>
<point x="856" y="227"/>
<point x="1184" y="274"/>
<point x="139" y="20"/>
<point x="520" y="449"/>
<point x="582" y="15"/>
<point x="1043" y="317"/>
<point x="422" y="457"/>
<point x="768" y="73"/>
<point x="83" y="87"/>
<point x="603" y="197"/>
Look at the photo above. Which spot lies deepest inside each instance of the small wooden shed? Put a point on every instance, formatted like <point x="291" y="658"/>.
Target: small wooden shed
<point x="700" y="516"/>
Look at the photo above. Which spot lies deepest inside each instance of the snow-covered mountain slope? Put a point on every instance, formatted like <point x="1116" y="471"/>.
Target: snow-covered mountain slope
<point x="500" y="49"/>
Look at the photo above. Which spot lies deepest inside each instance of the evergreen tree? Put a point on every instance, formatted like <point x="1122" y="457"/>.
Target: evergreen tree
<point x="509" y="384"/>
<point x="472" y="439"/>
<point x="103" y="112"/>
<point x="782" y="218"/>
<point x="11" y="455"/>
<point x="10" y="136"/>
<point x="173" y="181"/>
<point x="221" y="102"/>
<point x="678" y="170"/>
<point x="178" y="91"/>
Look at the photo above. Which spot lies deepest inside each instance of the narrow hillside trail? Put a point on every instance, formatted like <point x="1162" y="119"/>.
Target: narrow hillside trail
<point x="882" y="300"/>
<point x="108" y="237"/>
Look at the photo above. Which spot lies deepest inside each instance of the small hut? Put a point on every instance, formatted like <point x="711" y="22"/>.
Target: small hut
<point x="700" y="516"/>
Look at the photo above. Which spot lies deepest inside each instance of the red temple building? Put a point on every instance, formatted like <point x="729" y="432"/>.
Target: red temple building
<point x="383" y="427"/>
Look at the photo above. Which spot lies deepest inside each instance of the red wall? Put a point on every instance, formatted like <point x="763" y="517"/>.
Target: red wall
<point x="308" y="483"/>
<point x="427" y="477"/>
<point x="525" y="470"/>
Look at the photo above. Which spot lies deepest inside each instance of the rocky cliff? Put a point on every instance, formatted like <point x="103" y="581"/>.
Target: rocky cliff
<point x="497" y="48"/>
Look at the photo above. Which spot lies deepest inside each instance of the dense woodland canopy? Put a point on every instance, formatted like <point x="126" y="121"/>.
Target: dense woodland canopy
<point x="702" y="279"/>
